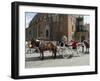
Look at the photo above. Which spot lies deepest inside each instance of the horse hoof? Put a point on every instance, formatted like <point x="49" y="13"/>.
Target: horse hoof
<point x="41" y="58"/>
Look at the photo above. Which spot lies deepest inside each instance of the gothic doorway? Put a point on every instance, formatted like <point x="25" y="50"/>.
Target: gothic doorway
<point x="47" y="32"/>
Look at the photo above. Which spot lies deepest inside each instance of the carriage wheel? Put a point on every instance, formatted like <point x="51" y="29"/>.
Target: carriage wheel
<point x="67" y="53"/>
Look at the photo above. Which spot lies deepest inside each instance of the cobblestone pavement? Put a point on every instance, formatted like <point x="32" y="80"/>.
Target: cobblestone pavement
<point x="33" y="60"/>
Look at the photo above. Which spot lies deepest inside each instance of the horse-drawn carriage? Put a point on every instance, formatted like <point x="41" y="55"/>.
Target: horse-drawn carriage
<point x="63" y="49"/>
<point x="70" y="49"/>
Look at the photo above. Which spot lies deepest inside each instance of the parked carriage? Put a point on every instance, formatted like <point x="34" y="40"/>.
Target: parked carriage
<point x="67" y="50"/>
<point x="71" y="49"/>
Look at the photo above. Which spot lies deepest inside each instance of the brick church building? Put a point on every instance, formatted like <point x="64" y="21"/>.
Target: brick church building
<point x="51" y="27"/>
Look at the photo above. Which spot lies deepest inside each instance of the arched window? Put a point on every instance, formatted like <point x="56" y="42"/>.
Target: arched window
<point x="29" y="32"/>
<point x="47" y="33"/>
<point x="72" y="28"/>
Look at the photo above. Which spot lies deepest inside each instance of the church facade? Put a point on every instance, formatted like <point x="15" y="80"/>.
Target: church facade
<point x="51" y="27"/>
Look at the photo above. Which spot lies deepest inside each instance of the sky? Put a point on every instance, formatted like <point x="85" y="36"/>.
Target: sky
<point x="30" y="15"/>
<point x="86" y="19"/>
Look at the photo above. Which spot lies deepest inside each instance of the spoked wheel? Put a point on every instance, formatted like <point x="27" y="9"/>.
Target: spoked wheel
<point x="65" y="52"/>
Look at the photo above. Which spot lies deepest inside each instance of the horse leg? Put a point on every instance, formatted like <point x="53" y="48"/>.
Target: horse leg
<point x="41" y="55"/>
<point x="54" y="54"/>
<point x="82" y="49"/>
<point x="87" y="50"/>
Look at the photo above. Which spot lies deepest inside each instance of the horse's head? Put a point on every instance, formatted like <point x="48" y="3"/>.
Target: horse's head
<point x="36" y="43"/>
<point x="32" y="43"/>
<point x="29" y="43"/>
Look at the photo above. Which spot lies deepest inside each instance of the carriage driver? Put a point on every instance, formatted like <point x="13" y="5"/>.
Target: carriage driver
<point x="64" y="41"/>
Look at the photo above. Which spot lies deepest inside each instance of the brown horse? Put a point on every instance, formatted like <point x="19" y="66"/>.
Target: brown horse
<point x="44" y="46"/>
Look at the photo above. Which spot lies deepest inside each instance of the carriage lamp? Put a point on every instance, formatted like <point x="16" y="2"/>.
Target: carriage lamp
<point x="37" y="40"/>
<point x="30" y="45"/>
